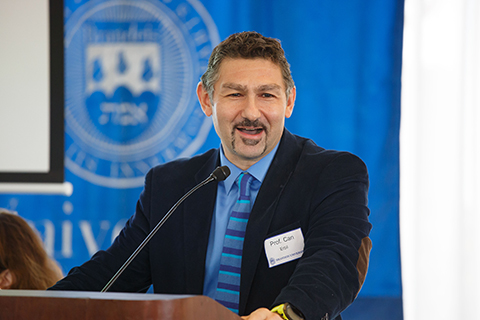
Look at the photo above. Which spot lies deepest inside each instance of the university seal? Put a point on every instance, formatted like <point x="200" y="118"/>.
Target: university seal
<point x="131" y="72"/>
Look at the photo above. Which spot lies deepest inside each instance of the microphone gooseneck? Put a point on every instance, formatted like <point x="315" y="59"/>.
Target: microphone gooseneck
<point x="219" y="174"/>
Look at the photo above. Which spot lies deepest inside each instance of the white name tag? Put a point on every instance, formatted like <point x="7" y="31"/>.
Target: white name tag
<point x="284" y="247"/>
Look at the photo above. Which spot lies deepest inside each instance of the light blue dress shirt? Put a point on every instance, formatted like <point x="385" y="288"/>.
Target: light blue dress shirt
<point x="227" y="193"/>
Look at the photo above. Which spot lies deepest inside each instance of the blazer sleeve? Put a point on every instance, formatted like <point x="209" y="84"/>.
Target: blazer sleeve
<point x="94" y="274"/>
<point x="334" y="264"/>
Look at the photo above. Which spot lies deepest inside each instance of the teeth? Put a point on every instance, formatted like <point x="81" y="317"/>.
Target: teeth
<point x="250" y="131"/>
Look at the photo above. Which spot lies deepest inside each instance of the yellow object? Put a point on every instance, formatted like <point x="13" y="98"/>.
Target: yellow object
<point x="280" y="310"/>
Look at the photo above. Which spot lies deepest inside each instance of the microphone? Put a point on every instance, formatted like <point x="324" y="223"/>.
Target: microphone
<point x="219" y="174"/>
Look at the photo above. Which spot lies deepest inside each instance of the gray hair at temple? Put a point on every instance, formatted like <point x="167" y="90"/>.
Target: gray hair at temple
<point x="247" y="45"/>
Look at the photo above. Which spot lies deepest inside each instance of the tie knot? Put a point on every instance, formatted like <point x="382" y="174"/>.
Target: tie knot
<point x="244" y="181"/>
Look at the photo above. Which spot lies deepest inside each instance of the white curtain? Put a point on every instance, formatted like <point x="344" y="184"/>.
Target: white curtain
<point x="440" y="160"/>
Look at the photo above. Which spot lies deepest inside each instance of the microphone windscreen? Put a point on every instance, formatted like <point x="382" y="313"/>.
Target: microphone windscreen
<point x="221" y="173"/>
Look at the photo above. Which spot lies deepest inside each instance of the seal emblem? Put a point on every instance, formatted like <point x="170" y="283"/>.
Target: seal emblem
<point x="131" y="71"/>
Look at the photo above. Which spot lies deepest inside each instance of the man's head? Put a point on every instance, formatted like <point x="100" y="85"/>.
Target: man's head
<point x="247" y="45"/>
<point x="248" y="91"/>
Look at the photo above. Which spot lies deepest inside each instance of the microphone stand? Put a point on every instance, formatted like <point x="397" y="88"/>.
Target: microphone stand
<point x="220" y="174"/>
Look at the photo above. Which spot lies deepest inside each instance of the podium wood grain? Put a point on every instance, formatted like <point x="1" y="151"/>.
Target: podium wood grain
<point x="26" y="304"/>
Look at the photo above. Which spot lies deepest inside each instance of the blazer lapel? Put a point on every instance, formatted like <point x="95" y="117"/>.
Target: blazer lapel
<point x="264" y="209"/>
<point x="198" y="211"/>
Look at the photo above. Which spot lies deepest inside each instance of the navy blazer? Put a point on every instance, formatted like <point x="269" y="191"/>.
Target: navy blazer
<point x="323" y="192"/>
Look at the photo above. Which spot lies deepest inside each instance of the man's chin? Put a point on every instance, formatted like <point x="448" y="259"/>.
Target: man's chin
<point x="251" y="151"/>
<point x="251" y="142"/>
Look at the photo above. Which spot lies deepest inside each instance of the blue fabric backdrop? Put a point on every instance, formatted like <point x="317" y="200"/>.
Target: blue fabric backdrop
<point x="131" y="69"/>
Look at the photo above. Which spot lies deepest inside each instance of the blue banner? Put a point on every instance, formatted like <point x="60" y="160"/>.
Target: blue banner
<point x="131" y="68"/>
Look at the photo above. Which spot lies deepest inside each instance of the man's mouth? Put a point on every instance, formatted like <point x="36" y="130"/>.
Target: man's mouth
<point x="250" y="131"/>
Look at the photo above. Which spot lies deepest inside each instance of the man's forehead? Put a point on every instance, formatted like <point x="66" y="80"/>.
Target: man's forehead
<point x="264" y="61"/>
<point x="230" y="67"/>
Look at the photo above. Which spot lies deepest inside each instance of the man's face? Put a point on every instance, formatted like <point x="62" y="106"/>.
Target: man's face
<point x="248" y="108"/>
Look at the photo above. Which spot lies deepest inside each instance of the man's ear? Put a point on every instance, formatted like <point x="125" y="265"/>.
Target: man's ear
<point x="290" y="102"/>
<point x="204" y="100"/>
<point x="6" y="279"/>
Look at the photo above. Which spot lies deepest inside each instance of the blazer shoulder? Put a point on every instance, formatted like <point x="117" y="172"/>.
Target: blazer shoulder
<point x="315" y="158"/>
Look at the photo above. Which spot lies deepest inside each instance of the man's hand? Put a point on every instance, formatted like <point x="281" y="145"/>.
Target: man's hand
<point x="263" y="314"/>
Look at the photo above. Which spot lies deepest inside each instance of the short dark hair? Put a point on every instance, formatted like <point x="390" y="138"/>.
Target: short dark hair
<point x="247" y="45"/>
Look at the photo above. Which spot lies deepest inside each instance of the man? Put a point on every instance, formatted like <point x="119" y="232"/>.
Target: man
<point x="304" y="252"/>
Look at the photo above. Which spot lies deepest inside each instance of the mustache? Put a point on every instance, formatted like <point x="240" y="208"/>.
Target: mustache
<point x="249" y="123"/>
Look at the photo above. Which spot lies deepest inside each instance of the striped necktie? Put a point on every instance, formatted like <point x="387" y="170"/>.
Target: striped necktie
<point x="228" y="287"/>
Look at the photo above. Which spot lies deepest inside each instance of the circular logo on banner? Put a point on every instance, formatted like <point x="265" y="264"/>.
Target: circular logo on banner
<point x="131" y="69"/>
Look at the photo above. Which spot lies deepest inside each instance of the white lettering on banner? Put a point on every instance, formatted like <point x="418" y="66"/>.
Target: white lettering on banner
<point x="46" y="229"/>
<point x="142" y="166"/>
<point x="67" y="227"/>
<point x="127" y="170"/>
<point x="123" y="113"/>
<point x="93" y="244"/>
<point x="284" y="247"/>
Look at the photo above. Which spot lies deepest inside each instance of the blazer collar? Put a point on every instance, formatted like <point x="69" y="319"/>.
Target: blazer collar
<point x="198" y="211"/>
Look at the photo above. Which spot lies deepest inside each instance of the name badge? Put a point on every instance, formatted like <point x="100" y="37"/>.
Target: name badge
<point x="284" y="247"/>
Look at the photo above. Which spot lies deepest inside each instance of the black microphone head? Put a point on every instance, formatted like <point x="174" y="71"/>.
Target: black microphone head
<point x="221" y="173"/>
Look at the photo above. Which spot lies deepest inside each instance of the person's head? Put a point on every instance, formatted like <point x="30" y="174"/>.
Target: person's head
<point x="24" y="264"/>
<point x="248" y="90"/>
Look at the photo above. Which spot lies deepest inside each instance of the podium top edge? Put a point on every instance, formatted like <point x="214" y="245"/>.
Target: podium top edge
<point x="91" y="295"/>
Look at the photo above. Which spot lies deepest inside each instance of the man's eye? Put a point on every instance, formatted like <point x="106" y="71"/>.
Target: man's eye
<point x="267" y="95"/>
<point x="234" y="95"/>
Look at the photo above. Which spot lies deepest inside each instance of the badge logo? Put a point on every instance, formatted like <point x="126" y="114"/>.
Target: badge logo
<point x="131" y="68"/>
<point x="272" y="261"/>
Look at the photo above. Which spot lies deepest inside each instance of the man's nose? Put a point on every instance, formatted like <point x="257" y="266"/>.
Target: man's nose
<point x="251" y="109"/>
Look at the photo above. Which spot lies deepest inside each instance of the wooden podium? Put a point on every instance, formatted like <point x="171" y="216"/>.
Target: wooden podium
<point x="76" y="305"/>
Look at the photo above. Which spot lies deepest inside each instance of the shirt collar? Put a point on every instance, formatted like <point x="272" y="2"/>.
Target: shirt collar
<point x="258" y="170"/>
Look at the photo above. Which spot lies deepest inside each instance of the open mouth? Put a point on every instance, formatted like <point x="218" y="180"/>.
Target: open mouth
<point x="250" y="131"/>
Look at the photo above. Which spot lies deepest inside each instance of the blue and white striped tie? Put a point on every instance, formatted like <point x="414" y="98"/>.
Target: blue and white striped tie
<point x="228" y="287"/>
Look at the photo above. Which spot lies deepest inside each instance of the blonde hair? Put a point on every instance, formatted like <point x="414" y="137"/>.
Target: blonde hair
<point x="22" y="252"/>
